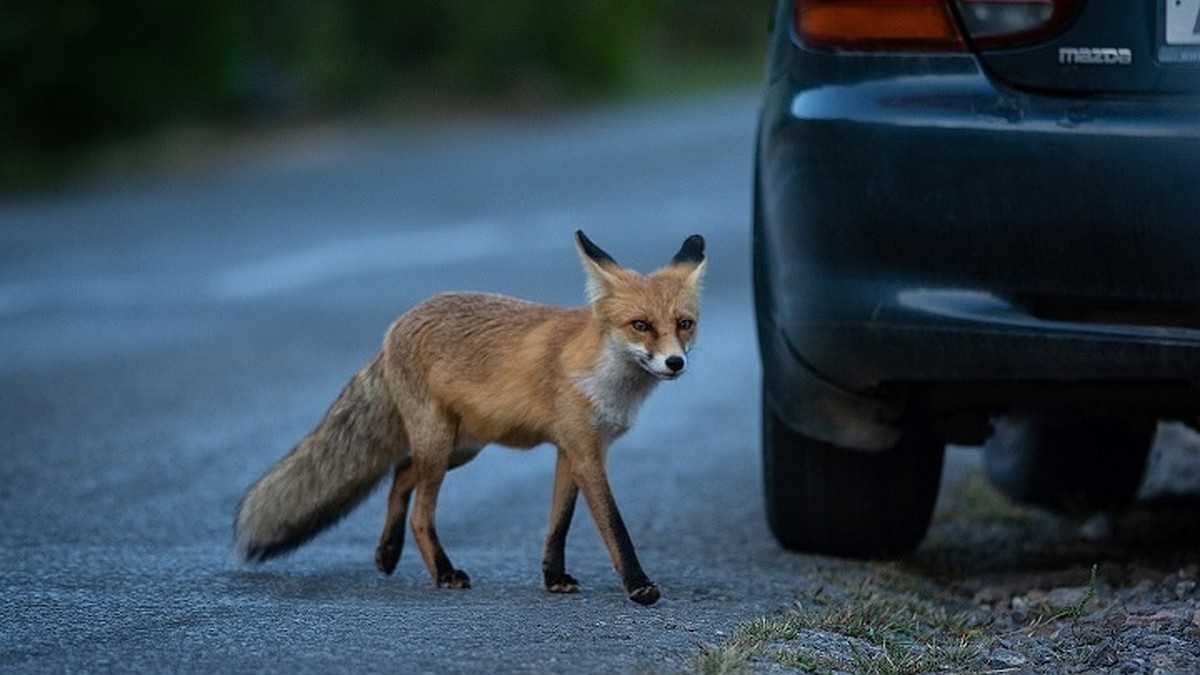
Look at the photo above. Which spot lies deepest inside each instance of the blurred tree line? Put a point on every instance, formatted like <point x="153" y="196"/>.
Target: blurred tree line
<point x="74" y="73"/>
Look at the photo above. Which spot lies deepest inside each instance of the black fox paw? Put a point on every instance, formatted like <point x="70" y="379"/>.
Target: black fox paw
<point x="454" y="579"/>
<point x="645" y="595"/>
<point x="386" y="558"/>
<point x="563" y="583"/>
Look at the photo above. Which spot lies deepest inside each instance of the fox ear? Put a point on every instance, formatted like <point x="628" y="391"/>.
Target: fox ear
<point x="692" y="251"/>
<point x="591" y="251"/>
<point x="599" y="266"/>
<point x="691" y="254"/>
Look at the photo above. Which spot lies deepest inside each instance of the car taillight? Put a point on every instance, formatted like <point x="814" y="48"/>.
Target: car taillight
<point x="877" y="24"/>
<point x="1011" y="22"/>
<point x="927" y="25"/>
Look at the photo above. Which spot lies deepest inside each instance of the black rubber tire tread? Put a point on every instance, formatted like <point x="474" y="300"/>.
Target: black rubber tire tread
<point x="830" y="500"/>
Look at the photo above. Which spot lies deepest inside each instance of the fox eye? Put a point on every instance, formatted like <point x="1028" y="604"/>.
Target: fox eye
<point x="640" y="325"/>
<point x="685" y="324"/>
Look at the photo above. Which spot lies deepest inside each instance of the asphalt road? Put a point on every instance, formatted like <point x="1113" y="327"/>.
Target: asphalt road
<point x="164" y="339"/>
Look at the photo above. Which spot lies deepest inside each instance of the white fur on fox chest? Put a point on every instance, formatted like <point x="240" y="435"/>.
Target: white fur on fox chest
<point x="616" y="387"/>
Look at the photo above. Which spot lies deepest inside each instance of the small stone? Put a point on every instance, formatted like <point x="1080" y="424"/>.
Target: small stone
<point x="1065" y="597"/>
<point x="1104" y="654"/>
<point x="1007" y="657"/>
<point x="1097" y="528"/>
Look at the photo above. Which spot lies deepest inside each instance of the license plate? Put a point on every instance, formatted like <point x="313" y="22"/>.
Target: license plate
<point x="1182" y="22"/>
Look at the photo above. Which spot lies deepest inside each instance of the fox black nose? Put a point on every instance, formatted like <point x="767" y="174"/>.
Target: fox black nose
<point x="675" y="363"/>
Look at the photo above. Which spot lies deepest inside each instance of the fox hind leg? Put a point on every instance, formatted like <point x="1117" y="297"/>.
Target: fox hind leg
<point x="431" y="459"/>
<point x="562" y="508"/>
<point x="391" y="542"/>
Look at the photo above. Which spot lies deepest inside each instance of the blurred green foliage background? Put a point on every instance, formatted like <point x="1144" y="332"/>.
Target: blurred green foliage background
<point x="75" y="74"/>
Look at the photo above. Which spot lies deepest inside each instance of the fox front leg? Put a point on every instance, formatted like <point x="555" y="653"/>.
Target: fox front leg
<point x="562" y="509"/>
<point x="588" y="472"/>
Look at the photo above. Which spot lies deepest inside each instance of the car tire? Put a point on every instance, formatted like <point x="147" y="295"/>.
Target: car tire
<point x="1077" y="464"/>
<point x="822" y="498"/>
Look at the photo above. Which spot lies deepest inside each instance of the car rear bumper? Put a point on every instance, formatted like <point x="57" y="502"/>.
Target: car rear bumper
<point x="935" y="228"/>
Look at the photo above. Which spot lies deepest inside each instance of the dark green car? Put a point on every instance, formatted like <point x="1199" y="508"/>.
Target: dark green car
<point x="975" y="221"/>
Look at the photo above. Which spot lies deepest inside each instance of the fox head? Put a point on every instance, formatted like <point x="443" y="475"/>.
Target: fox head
<point x="651" y="317"/>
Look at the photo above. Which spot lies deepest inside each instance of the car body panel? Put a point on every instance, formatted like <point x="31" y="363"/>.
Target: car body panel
<point x="1109" y="48"/>
<point x="921" y="222"/>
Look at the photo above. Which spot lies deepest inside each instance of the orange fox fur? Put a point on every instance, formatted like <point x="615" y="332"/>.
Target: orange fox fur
<point x="462" y="370"/>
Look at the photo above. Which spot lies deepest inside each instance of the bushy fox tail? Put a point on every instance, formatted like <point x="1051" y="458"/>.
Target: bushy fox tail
<point x="327" y="474"/>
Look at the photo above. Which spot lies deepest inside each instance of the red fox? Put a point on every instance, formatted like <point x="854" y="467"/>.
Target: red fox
<point x="461" y="370"/>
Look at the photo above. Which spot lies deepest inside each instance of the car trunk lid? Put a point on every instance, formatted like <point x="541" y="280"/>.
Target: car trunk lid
<point x="1087" y="47"/>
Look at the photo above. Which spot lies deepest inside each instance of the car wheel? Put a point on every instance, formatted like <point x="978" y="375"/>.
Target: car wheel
<point x="823" y="498"/>
<point x="1071" y="463"/>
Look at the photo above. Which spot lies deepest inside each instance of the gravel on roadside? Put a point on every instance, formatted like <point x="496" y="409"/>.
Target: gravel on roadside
<point x="1000" y="588"/>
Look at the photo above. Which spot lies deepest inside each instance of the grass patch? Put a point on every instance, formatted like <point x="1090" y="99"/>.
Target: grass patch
<point x="889" y="622"/>
<point x="1078" y="609"/>
<point x="972" y="510"/>
<point x="730" y="659"/>
<point x="975" y="500"/>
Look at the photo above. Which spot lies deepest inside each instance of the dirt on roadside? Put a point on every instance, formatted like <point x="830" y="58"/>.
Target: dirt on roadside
<point x="1000" y="588"/>
<point x="1047" y="594"/>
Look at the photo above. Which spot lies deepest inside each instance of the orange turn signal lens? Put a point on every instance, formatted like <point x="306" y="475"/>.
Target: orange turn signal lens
<point x="877" y="24"/>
